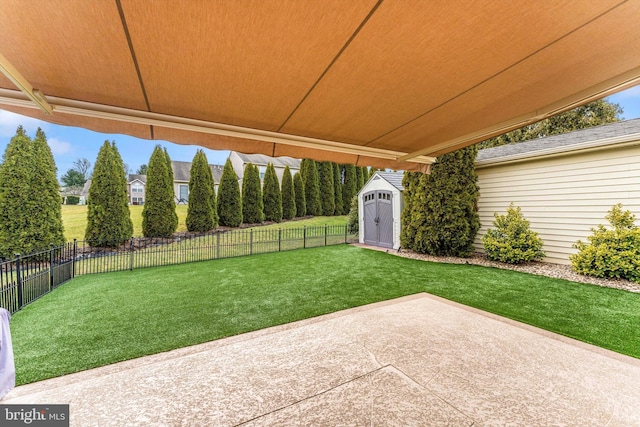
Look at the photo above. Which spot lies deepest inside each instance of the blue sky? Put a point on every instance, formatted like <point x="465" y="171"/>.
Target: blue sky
<point x="69" y="143"/>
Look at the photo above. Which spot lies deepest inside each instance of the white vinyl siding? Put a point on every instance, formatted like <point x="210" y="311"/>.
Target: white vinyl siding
<point x="563" y="197"/>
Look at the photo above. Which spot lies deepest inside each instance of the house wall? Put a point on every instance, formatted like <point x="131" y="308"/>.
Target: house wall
<point x="397" y="202"/>
<point x="238" y="165"/>
<point x="563" y="197"/>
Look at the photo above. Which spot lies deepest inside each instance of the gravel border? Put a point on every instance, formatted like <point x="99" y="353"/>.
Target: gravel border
<point x="558" y="271"/>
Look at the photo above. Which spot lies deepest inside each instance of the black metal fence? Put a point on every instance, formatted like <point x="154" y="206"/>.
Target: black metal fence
<point x="26" y="278"/>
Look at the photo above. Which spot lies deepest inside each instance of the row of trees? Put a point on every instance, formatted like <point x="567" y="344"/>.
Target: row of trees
<point x="317" y="190"/>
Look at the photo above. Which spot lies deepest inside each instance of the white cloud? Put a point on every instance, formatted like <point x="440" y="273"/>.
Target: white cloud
<point x="9" y="122"/>
<point x="58" y="147"/>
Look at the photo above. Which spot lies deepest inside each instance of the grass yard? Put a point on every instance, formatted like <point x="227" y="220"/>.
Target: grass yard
<point x="74" y="218"/>
<point x="101" y="319"/>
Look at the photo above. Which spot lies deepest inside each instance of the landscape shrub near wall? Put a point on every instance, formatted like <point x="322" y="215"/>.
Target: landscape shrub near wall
<point x="611" y="253"/>
<point x="73" y="200"/>
<point x="512" y="241"/>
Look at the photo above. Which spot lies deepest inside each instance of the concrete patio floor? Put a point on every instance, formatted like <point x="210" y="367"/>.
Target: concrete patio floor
<point x="414" y="361"/>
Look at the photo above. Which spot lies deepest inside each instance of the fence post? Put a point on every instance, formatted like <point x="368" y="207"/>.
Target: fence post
<point x="304" y="237"/>
<point x="325" y="234"/>
<point x="131" y="254"/>
<point x="19" y="281"/>
<point x="345" y="233"/>
<point x="217" y="245"/>
<point x="279" y="239"/>
<point x="50" y="267"/>
<point x="75" y="254"/>
<point x="251" y="241"/>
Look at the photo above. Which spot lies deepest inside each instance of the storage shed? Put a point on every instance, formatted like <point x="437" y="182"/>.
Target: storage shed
<point x="380" y="205"/>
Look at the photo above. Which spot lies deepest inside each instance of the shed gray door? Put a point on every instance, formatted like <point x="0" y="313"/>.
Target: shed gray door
<point x="378" y="218"/>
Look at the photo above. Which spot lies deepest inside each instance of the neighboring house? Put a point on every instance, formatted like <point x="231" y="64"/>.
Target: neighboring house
<point x="380" y="204"/>
<point x="84" y="194"/>
<point x="565" y="184"/>
<point x="240" y="161"/>
<point x="182" y="175"/>
<point x="136" y="186"/>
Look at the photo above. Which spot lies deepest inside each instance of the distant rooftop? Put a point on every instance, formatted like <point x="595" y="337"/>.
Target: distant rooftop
<point x="611" y="130"/>
<point x="182" y="171"/>
<point x="263" y="160"/>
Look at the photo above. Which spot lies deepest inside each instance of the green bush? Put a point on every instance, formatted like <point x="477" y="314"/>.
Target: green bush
<point x="73" y="200"/>
<point x="611" y="253"/>
<point x="271" y="195"/>
<point x="512" y="241"/>
<point x="353" y="222"/>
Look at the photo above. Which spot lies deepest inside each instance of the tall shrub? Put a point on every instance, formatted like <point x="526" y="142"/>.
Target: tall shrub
<point x="108" y="219"/>
<point x="201" y="210"/>
<point x="30" y="210"/>
<point x="159" y="208"/>
<point x="611" y="252"/>
<point x="298" y="189"/>
<point x="337" y="190"/>
<point x="252" y="204"/>
<point x="288" y="195"/>
<point x="512" y="240"/>
<point x="47" y="214"/>
<point x="327" y="189"/>
<point x="311" y="181"/>
<point x="349" y="187"/>
<point x="229" y="201"/>
<point x="170" y="190"/>
<point x="410" y="181"/>
<point x="272" y="196"/>
<point x="445" y="206"/>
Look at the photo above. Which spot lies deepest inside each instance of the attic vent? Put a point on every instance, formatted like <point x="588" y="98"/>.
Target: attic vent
<point x="376" y="177"/>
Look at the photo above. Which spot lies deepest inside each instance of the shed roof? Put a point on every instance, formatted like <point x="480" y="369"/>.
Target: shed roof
<point x="608" y="134"/>
<point x="381" y="83"/>
<point x="264" y="160"/>
<point x="393" y="178"/>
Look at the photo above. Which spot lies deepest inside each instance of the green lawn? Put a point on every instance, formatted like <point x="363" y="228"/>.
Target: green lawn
<point x="74" y="218"/>
<point x="101" y="319"/>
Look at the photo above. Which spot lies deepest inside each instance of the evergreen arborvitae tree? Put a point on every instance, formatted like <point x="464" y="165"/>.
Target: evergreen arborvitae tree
<point x="200" y="211"/>
<point x="108" y="220"/>
<point x="15" y="212"/>
<point x="359" y="179"/>
<point x="30" y="207"/>
<point x="47" y="216"/>
<point x="349" y="187"/>
<point x="288" y="195"/>
<point x="327" y="190"/>
<point x="171" y="192"/>
<point x="159" y="210"/>
<point x="337" y="190"/>
<point x="309" y="172"/>
<point x="229" y="201"/>
<point x="271" y="195"/>
<point x="407" y="234"/>
<point x="298" y="189"/>
<point x="444" y="206"/>
<point x="252" y="204"/>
